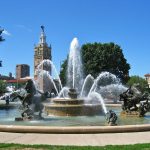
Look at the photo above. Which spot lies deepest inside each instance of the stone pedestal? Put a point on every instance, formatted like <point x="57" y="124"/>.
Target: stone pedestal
<point x="72" y="93"/>
<point x="130" y="113"/>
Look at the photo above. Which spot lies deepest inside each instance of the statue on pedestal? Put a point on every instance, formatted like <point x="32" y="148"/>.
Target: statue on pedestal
<point x="31" y="102"/>
<point x="111" y="118"/>
<point x="134" y="102"/>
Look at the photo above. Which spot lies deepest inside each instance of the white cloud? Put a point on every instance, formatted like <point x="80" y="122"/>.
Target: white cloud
<point x="6" y="33"/>
<point x="24" y="27"/>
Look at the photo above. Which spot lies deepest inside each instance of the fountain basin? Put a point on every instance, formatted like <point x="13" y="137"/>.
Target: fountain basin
<point x="68" y="101"/>
<point x="73" y="109"/>
<point x="75" y="130"/>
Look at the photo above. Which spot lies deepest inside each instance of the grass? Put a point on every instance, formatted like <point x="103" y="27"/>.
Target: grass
<point x="51" y="147"/>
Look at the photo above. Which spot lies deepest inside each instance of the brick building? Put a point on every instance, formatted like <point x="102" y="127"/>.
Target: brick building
<point x="22" y="70"/>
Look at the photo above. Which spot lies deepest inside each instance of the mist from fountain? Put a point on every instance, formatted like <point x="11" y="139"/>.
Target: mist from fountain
<point x="113" y="91"/>
<point x="104" y="79"/>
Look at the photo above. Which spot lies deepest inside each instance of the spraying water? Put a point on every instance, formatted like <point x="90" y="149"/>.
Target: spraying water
<point x="75" y="71"/>
<point x="104" y="79"/>
<point x="64" y="92"/>
<point x="97" y="96"/>
<point x="47" y="65"/>
<point x="113" y="91"/>
<point x="9" y="94"/>
<point x="87" y="83"/>
<point x="45" y="75"/>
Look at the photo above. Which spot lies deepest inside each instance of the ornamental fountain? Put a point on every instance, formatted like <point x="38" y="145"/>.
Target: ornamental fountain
<point x="80" y="99"/>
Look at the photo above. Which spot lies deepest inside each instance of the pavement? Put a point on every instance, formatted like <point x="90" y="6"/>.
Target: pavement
<point x="76" y="139"/>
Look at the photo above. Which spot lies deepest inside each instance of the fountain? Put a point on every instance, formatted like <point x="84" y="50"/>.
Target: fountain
<point x="80" y="97"/>
<point x="83" y="96"/>
<point x="74" y="104"/>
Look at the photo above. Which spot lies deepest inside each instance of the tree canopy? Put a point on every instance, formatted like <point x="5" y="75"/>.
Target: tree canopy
<point x="1" y="38"/>
<point x="142" y="83"/>
<point x="2" y="87"/>
<point x="63" y="72"/>
<point x="99" y="57"/>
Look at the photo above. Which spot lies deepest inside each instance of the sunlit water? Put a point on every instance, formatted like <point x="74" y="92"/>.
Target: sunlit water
<point x="7" y="117"/>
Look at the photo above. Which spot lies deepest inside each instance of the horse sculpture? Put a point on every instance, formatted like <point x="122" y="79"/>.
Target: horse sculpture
<point x="132" y="101"/>
<point x="31" y="105"/>
<point x="31" y="101"/>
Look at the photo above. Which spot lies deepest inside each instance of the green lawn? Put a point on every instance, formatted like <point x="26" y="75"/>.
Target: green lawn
<point x="49" y="147"/>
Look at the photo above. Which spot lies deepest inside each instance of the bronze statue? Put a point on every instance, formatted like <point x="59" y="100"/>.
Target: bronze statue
<point x="31" y="91"/>
<point x="42" y="27"/>
<point x="132" y="102"/>
<point x="111" y="118"/>
<point x="31" y="101"/>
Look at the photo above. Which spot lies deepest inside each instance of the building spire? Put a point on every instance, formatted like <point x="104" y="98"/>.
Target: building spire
<point x="42" y="36"/>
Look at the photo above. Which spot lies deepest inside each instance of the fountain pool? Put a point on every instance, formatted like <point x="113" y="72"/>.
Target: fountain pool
<point x="7" y="117"/>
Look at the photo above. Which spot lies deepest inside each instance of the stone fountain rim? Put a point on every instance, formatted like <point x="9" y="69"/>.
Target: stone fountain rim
<point x="74" y="129"/>
<point x="66" y="99"/>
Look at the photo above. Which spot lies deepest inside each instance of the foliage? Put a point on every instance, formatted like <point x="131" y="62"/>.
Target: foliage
<point x="63" y="72"/>
<point x="1" y="38"/>
<point x="138" y="80"/>
<point x="98" y="57"/>
<point x="54" y="147"/>
<point x="2" y="87"/>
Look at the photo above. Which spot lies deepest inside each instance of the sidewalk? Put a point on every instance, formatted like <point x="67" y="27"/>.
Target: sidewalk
<point x="76" y="139"/>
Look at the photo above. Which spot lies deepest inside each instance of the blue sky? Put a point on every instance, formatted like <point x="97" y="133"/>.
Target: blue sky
<point x="125" y="22"/>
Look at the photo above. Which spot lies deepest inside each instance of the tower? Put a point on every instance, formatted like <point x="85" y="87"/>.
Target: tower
<point x="41" y="51"/>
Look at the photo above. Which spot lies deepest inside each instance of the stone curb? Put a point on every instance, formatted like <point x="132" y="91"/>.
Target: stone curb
<point x="74" y="130"/>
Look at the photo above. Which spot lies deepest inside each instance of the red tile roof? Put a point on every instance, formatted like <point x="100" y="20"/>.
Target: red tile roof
<point x="147" y="75"/>
<point x="17" y="80"/>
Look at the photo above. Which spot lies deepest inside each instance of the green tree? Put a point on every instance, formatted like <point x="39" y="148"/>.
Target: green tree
<point x="142" y="83"/>
<point x="2" y="87"/>
<point x="1" y="38"/>
<point x="63" y="72"/>
<point x="98" y="57"/>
